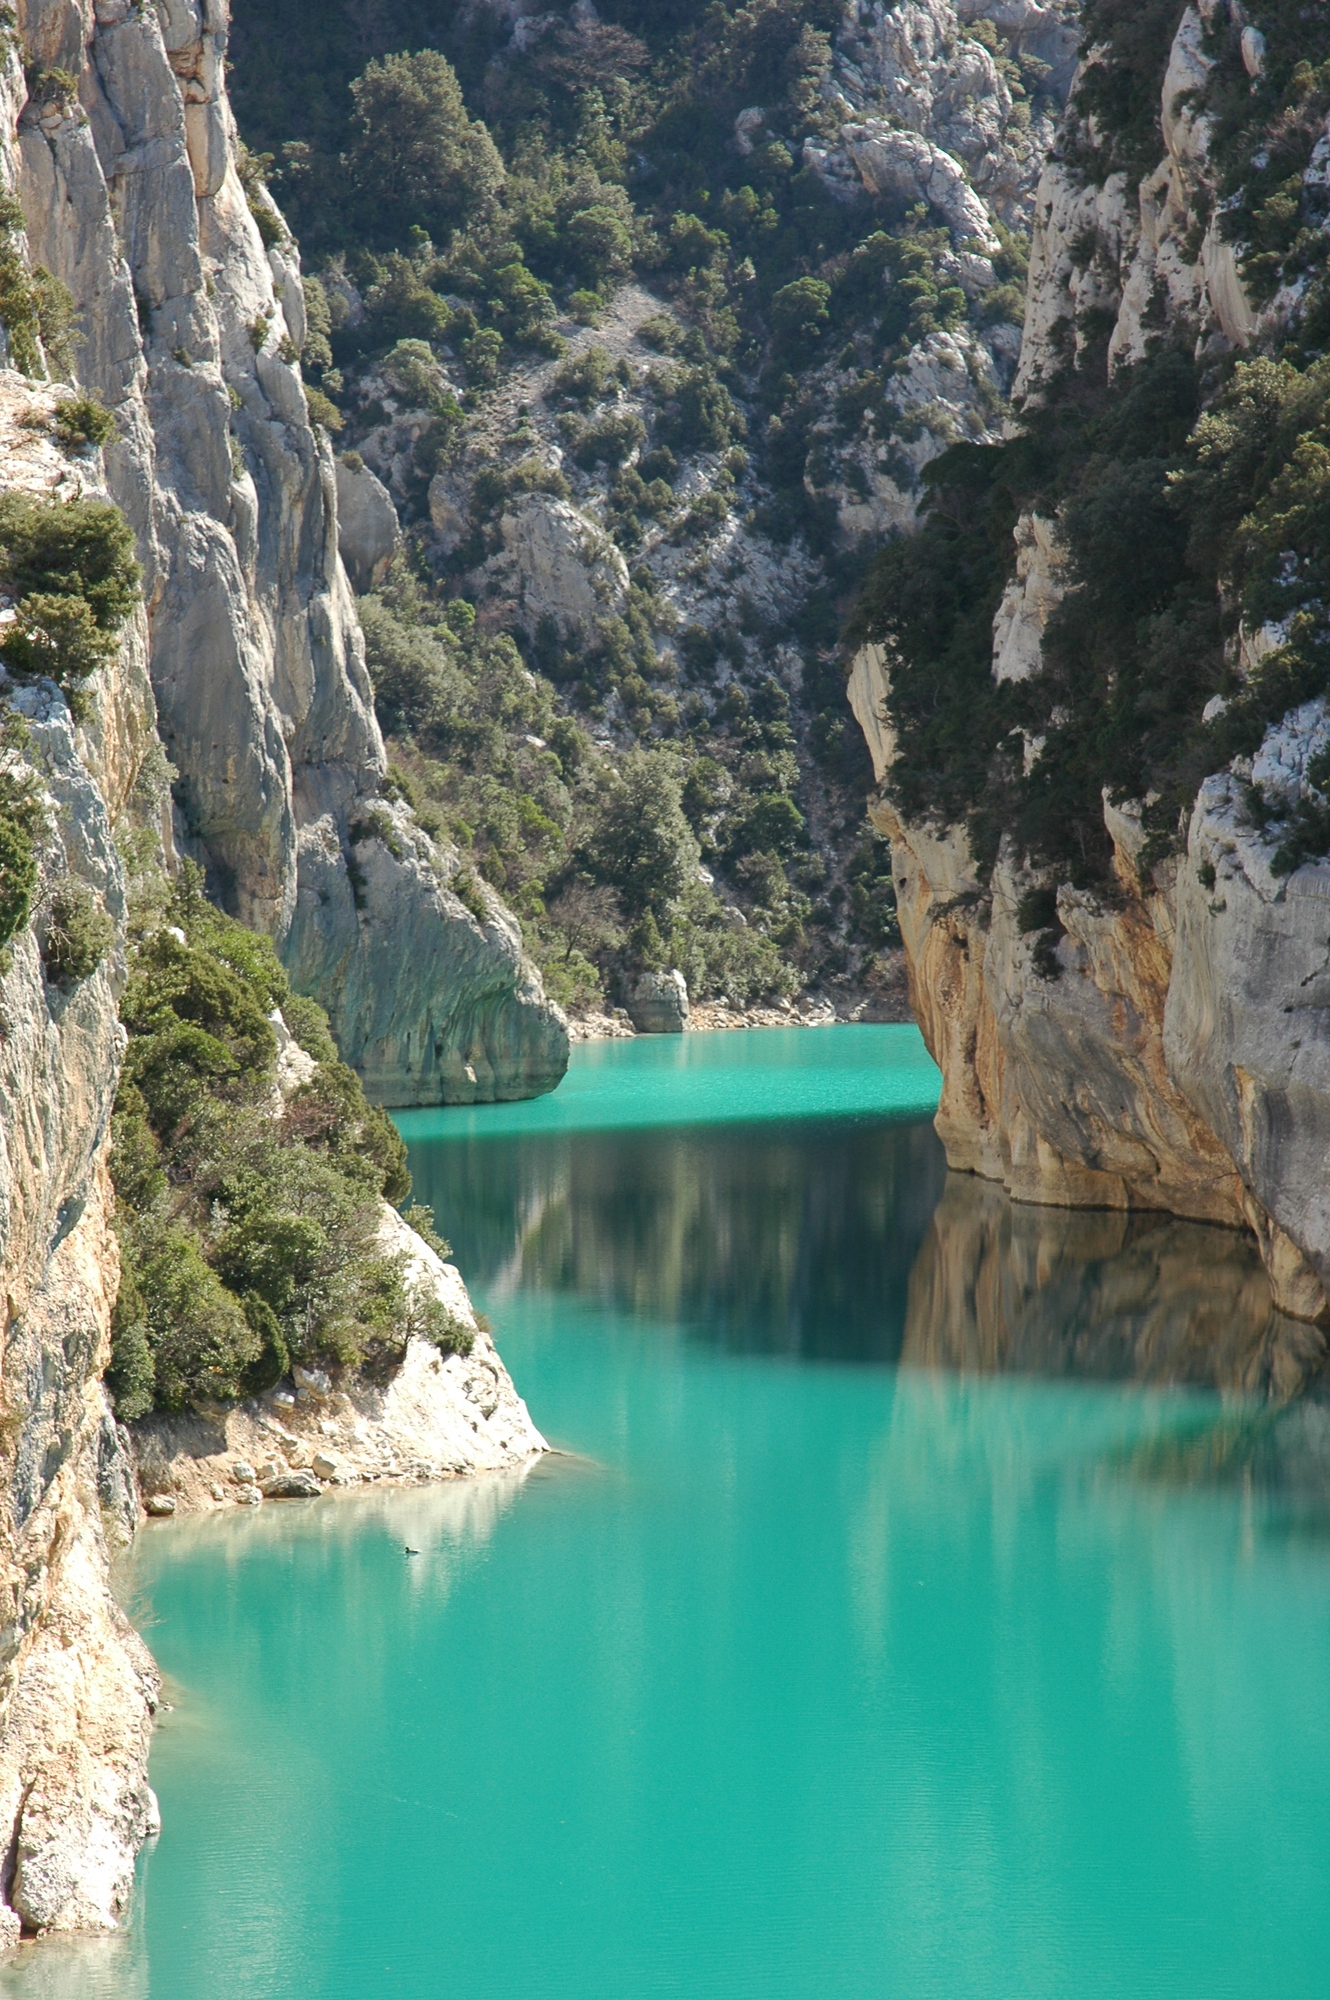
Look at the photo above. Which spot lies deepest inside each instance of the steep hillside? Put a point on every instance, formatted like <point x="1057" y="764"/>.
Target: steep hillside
<point x="1096" y="680"/>
<point x="647" y="335"/>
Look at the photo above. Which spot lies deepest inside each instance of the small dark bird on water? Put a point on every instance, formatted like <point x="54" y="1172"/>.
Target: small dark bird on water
<point x="407" y="1550"/>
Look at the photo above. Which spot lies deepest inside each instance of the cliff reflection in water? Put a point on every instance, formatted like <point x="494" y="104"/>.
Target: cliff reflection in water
<point x="1000" y="1286"/>
<point x="849" y="1241"/>
<point x="781" y="1239"/>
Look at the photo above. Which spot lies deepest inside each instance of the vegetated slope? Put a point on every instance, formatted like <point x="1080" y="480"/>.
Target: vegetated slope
<point x="649" y="319"/>
<point x="1188" y="485"/>
<point x="1104" y="661"/>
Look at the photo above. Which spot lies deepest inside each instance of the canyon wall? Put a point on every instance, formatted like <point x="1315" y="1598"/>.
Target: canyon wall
<point x="1179" y="1059"/>
<point x="245" y="664"/>
<point x="190" y="332"/>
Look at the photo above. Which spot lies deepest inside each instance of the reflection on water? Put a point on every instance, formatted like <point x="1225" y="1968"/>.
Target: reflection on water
<point x="80" y="1968"/>
<point x="1000" y="1286"/>
<point x="793" y="1239"/>
<point x="850" y="1242"/>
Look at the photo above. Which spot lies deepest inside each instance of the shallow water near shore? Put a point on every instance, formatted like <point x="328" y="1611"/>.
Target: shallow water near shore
<point x="929" y="1606"/>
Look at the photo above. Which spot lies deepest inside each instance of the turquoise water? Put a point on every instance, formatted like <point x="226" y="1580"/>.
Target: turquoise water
<point x="711" y="1080"/>
<point x="816" y="1672"/>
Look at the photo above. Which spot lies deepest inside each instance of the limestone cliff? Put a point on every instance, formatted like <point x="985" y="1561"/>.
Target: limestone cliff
<point x="190" y="331"/>
<point x="1175" y="1059"/>
<point x="77" y="1686"/>
<point x="246" y="656"/>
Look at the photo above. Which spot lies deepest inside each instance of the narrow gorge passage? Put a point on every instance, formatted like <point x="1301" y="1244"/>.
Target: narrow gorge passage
<point x="924" y="1605"/>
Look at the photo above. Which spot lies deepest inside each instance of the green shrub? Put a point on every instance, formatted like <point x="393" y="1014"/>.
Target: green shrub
<point x="254" y="169"/>
<point x="81" y="421"/>
<point x="249" y="1239"/>
<point x="76" y="936"/>
<point x="416" y="158"/>
<point x="799" y="317"/>
<point x="132" y="1374"/>
<point x="615" y="438"/>
<point x="71" y="567"/>
<point x="661" y="333"/>
<point x="482" y="356"/>
<point x="323" y="410"/>
<point x="21" y="817"/>
<point x="469" y="894"/>
<point x="36" y="310"/>
<point x="585" y="378"/>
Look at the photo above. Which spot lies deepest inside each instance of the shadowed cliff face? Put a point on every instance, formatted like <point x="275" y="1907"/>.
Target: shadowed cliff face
<point x="190" y="332"/>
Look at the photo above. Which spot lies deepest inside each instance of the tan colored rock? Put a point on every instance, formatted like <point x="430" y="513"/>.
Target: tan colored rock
<point x="1177" y="1061"/>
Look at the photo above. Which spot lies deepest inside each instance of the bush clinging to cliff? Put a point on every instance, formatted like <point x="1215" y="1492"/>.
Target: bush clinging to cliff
<point x="248" y="1220"/>
<point x="21" y="816"/>
<point x="69" y="565"/>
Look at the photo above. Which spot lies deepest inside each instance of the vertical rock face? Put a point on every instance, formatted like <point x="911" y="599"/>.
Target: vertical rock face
<point x="77" y="1686"/>
<point x="190" y="332"/>
<point x="247" y="656"/>
<point x="1179" y="1059"/>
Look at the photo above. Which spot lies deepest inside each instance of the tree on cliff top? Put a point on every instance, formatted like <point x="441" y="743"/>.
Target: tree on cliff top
<point x="416" y="157"/>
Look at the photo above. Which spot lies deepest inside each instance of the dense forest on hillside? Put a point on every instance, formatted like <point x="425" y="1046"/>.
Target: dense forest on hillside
<point x="1193" y="493"/>
<point x="475" y="200"/>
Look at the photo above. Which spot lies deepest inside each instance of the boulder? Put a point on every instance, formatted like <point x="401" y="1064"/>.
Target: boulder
<point x="658" y="1003"/>
<point x="367" y="525"/>
<point x="160" y="1505"/>
<point x="295" y="1484"/>
<point x="557" y="563"/>
<point x="243" y="1472"/>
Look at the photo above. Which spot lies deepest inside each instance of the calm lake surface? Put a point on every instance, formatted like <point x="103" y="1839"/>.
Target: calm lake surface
<point x="932" y="1606"/>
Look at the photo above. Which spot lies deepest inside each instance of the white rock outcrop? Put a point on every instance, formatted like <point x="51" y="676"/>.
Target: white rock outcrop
<point x="556" y="563"/>
<point x="437" y="1416"/>
<point x="368" y="532"/>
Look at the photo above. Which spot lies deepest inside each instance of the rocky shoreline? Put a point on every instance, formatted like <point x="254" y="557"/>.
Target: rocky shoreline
<point x="436" y="1417"/>
<point x="889" y="1001"/>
